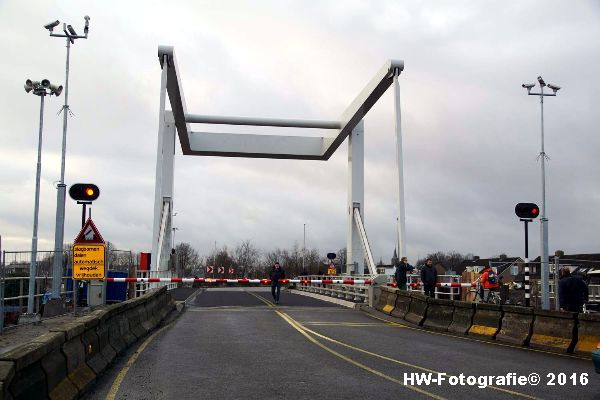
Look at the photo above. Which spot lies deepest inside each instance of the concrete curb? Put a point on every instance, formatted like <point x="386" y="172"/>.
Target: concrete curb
<point x="64" y="363"/>
<point x="554" y="331"/>
<point x="418" y="309"/>
<point x="517" y="324"/>
<point x="439" y="314"/>
<point x="486" y="321"/>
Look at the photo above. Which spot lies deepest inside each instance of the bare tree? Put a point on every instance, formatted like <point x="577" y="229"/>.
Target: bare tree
<point x="189" y="260"/>
<point x="449" y="260"/>
<point x="246" y="258"/>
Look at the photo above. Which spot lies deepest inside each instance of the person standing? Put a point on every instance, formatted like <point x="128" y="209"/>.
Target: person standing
<point x="572" y="291"/>
<point x="401" y="270"/>
<point x="277" y="273"/>
<point x="429" y="278"/>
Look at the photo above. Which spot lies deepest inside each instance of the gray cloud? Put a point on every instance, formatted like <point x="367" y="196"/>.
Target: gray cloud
<point x="471" y="134"/>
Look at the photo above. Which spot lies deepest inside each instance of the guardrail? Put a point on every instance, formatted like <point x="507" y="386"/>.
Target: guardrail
<point x="353" y="288"/>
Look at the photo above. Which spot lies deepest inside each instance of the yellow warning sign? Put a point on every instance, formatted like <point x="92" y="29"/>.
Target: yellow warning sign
<point x="88" y="261"/>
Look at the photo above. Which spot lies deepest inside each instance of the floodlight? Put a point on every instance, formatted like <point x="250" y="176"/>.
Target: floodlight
<point x="541" y="81"/>
<point x="51" y="25"/>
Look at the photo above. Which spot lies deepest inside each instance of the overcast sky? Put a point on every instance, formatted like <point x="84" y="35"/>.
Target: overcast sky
<point x="471" y="133"/>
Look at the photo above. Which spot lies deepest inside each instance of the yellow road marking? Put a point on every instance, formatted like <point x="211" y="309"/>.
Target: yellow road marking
<point x="512" y="392"/>
<point x="114" y="389"/>
<point x="301" y="330"/>
<point x="348" y="324"/>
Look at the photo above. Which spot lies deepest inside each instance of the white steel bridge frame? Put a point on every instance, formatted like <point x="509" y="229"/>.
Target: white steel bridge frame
<point x="349" y="124"/>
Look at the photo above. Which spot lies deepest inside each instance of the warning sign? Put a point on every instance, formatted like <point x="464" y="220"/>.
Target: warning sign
<point x="89" y="234"/>
<point x="88" y="261"/>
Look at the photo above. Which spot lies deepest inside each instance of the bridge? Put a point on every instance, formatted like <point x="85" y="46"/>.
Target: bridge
<point x="336" y="337"/>
<point x="234" y="342"/>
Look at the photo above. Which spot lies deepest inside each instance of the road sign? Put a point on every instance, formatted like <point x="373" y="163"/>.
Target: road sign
<point x="231" y="271"/>
<point x="89" y="234"/>
<point x="89" y="252"/>
<point x="331" y="270"/>
<point x="221" y="270"/>
<point x="88" y="261"/>
<point x="209" y="269"/>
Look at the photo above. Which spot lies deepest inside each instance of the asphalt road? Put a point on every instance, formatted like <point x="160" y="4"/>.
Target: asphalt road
<point x="235" y="344"/>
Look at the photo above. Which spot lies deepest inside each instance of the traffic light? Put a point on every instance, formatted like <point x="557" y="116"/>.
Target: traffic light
<point x="84" y="192"/>
<point x="527" y="210"/>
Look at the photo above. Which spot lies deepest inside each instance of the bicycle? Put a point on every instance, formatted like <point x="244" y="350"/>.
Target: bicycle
<point x="493" y="296"/>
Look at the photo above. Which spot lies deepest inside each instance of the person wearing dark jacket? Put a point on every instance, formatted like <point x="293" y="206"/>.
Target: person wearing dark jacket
<point x="572" y="292"/>
<point x="429" y="278"/>
<point x="401" y="269"/>
<point x="276" y="274"/>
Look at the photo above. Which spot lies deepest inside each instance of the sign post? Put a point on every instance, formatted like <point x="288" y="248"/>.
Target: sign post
<point x="89" y="263"/>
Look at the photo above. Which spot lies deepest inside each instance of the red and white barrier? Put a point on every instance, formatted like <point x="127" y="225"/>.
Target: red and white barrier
<point x="439" y="284"/>
<point x="259" y="281"/>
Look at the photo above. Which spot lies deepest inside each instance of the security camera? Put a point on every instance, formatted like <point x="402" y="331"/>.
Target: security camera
<point x="50" y="26"/>
<point x="541" y="81"/>
<point x="87" y="25"/>
<point x="553" y="87"/>
<point x="528" y="86"/>
<point x="45" y="83"/>
<point x="71" y="30"/>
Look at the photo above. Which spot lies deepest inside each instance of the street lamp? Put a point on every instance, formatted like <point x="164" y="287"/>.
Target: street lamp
<point x="543" y="220"/>
<point x="304" y="249"/>
<point x="70" y="35"/>
<point x="41" y="88"/>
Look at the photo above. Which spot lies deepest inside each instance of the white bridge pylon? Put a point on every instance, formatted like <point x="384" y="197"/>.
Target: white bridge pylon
<point x="349" y="124"/>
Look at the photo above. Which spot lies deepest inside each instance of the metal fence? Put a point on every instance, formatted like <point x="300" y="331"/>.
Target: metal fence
<point x="14" y="280"/>
<point x="355" y="293"/>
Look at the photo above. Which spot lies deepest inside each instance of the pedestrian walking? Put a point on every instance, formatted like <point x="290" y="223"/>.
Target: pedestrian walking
<point x="277" y="273"/>
<point x="572" y="291"/>
<point x="429" y="278"/>
<point x="402" y="269"/>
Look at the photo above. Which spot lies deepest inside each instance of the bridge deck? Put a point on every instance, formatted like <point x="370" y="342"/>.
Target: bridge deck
<point x="234" y="343"/>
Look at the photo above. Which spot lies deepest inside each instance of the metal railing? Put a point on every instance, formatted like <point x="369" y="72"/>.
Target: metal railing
<point x="142" y="287"/>
<point x="358" y="293"/>
<point x="14" y="278"/>
<point x="452" y="293"/>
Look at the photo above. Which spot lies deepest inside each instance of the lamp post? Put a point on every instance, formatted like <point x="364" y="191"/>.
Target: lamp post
<point x="544" y="266"/>
<point x="304" y="249"/>
<point x="41" y="88"/>
<point x="70" y="35"/>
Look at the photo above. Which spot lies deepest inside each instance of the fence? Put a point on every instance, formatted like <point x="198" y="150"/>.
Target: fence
<point x="355" y="293"/>
<point x="14" y="280"/>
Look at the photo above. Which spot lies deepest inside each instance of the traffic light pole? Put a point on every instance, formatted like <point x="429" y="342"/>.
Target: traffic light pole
<point x="527" y="286"/>
<point x="84" y="203"/>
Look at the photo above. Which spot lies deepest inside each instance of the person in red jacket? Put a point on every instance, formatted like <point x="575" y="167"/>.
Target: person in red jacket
<point x="489" y="281"/>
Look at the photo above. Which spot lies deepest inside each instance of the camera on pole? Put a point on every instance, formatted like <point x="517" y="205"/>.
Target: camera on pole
<point x="526" y="213"/>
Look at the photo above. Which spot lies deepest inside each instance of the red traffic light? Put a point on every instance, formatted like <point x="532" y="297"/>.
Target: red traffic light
<point x="527" y="210"/>
<point x="84" y="192"/>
